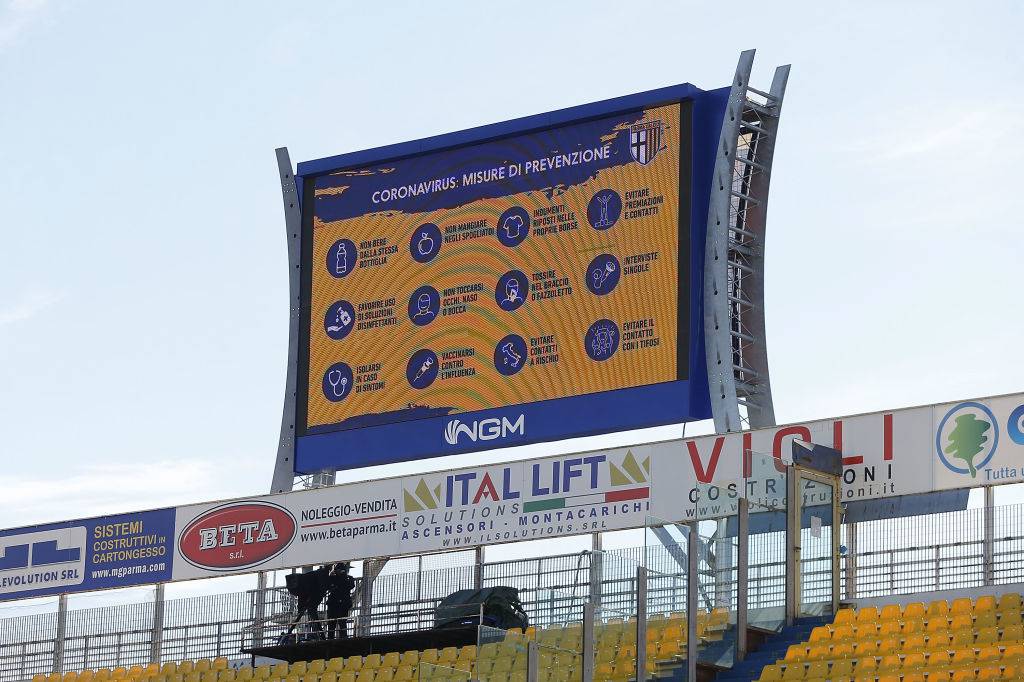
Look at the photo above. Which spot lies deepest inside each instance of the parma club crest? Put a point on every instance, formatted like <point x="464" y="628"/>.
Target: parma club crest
<point x="645" y="140"/>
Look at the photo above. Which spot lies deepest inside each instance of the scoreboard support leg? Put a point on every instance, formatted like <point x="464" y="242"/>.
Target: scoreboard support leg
<point x="734" y="330"/>
<point x="284" y="467"/>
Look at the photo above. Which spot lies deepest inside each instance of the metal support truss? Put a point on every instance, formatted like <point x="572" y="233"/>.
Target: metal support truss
<point x="734" y="329"/>
<point x="284" y="468"/>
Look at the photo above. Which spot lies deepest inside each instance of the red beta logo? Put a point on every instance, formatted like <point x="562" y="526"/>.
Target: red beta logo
<point x="237" y="535"/>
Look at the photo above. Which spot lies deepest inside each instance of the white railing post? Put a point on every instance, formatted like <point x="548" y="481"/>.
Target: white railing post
<point x="61" y="633"/>
<point x="851" y="560"/>
<point x="988" y="552"/>
<point x="157" y="641"/>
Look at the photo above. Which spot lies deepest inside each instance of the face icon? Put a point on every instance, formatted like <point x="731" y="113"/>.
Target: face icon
<point x="423" y="305"/>
<point x="512" y="291"/>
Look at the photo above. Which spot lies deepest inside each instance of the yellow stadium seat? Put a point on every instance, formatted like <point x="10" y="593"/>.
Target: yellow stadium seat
<point x="403" y="673"/>
<point x="866" y="630"/>
<point x="866" y="648"/>
<point x="203" y="665"/>
<point x="868" y="614"/>
<point x="890" y="645"/>
<point x="987" y="636"/>
<point x="987" y="654"/>
<point x="961" y="605"/>
<point x="1012" y="633"/>
<point x="842" y="632"/>
<point x="911" y="627"/>
<point x="298" y="668"/>
<point x="347" y="676"/>
<point x="914" y="611"/>
<point x="39" y="677"/>
<point x="793" y="671"/>
<point x="70" y="677"/>
<point x="961" y="621"/>
<point x="890" y="612"/>
<point x="936" y="624"/>
<point x="310" y="677"/>
<point x="1010" y="602"/>
<point x="1010" y="672"/>
<point x="890" y="662"/>
<point x="817" y="669"/>
<point x="914" y="642"/>
<point x="329" y="676"/>
<point x="168" y="669"/>
<point x="963" y="657"/>
<point x="845" y="617"/>
<point x="913" y="677"/>
<point x="961" y="638"/>
<point x="796" y="652"/>
<point x="1012" y="651"/>
<point x="938" y="657"/>
<point x="317" y="665"/>
<point x="279" y="670"/>
<point x="448" y="655"/>
<point x="842" y="668"/>
<point x="366" y="675"/>
<point x="467" y="653"/>
<point x="293" y="678"/>
<point x="890" y="628"/>
<point x="383" y="675"/>
<point x="244" y="674"/>
<point x="985" y="619"/>
<point x="842" y="650"/>
<point x="771" y="673"/>
<point x="229" y="675"/>
<point x="866" y="664"/>
<point x="989" y="673"/>
<point x="939" y="607"/>
<point x="985" y="603"/>
<point x="262" y="672"/>
<point x="962" y="674"/>
<point x="1009" y="618"/>
<point x="818" y="653"/>
<point x="411" y="658"/>
<point x="820" y="634"/>
<point x="336" y="664"/>
<point x="430" y="655"/>
<point x="185" y="667"/>
<point x="889" y="677"/>
<point x="208" y="676"/>
<point x="913" y="661"/>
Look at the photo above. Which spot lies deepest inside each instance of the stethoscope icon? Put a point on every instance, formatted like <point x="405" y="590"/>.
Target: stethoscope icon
<point x="336" y="379"/>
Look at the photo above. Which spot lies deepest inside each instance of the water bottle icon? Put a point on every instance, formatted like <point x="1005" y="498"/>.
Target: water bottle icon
<point x="341" y="260"/>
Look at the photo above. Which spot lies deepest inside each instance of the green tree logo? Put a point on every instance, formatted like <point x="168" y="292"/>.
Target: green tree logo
<point x="966" y="440"/>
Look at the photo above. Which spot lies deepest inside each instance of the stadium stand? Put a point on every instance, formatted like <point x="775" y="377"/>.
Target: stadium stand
<point x="498" y="661"/>
<point x="919" y="642"/>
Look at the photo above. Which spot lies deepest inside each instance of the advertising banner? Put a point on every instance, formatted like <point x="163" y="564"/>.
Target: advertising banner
<point x="90" y="554"/>
<point x="885" y="455"/>
<point x="520" y="289"/>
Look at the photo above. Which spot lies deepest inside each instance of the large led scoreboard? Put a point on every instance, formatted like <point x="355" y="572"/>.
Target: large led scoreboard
<point x="525" y="281"/>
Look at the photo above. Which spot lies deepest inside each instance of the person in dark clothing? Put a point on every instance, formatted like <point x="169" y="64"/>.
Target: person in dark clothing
<point x="310" y="589"/>
<point x="339" y="601"/>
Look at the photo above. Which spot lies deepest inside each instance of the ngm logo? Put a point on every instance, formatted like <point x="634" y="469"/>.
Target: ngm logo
<point x="484" y="429"/>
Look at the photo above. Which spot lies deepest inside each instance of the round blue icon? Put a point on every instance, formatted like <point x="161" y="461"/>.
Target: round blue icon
<point x="512" y="290"/>
<point x="424" y="304"/>
<point x="337" y="382"/>
<point x="603" y="274"/>
<point x="339" y="320"/>
<point x="513" y="226"/>
<point x="510" y="354"/>
<point x="602" y="340"/>
<point x="1013" y="427"/>
<point x="425" y="242"/>
<point x="341" y="258"/>
<point x="422" y="368"/>
<point x="604" y="209"/>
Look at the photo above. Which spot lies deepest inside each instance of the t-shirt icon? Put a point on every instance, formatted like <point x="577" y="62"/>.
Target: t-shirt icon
<point x="513" y="226"/>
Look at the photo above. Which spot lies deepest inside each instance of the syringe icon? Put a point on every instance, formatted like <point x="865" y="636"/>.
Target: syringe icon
<point x="427" y="364"/>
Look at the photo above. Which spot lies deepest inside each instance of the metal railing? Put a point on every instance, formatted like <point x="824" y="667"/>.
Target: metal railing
<point x="951" y="555"/>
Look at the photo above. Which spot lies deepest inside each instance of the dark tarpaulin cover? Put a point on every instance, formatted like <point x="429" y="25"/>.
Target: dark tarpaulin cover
<point x="501" y="608"/>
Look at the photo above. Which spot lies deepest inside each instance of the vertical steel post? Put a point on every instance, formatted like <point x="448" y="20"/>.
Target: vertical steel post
<point x="478" y="567"/>
<point x="641" y="624"/>
<point x="62" y="629"/>
<point x="366" y="596"/>
<point x="588" y="642"/>
<point x="742" y="575"/>
<point x="157" y="642"/>
<point x="261" y="608"/>
<point x="988" y="551"/>
<point x="531" y="661"/>
<point x="692" y="590"/>
<point x="596" y="569"/>
<point x="851" y="560"/>
<point x="792" y="543"/>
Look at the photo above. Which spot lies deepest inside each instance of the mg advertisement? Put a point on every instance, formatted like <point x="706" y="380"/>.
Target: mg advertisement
<point x="526" y="288"/>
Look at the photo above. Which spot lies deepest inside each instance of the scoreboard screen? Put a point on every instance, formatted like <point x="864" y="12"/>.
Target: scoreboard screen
<point x="496" y="293"/>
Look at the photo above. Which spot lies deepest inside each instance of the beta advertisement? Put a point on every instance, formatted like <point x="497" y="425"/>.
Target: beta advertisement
<point x="506" y="291"/>
<point x="91" y="554"/>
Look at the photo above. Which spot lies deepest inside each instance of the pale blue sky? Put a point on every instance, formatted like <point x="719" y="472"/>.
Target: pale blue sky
<point x="143" y="268"/>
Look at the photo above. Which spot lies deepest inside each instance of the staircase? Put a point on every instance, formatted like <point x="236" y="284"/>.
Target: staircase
<point x="773" y="649"/>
